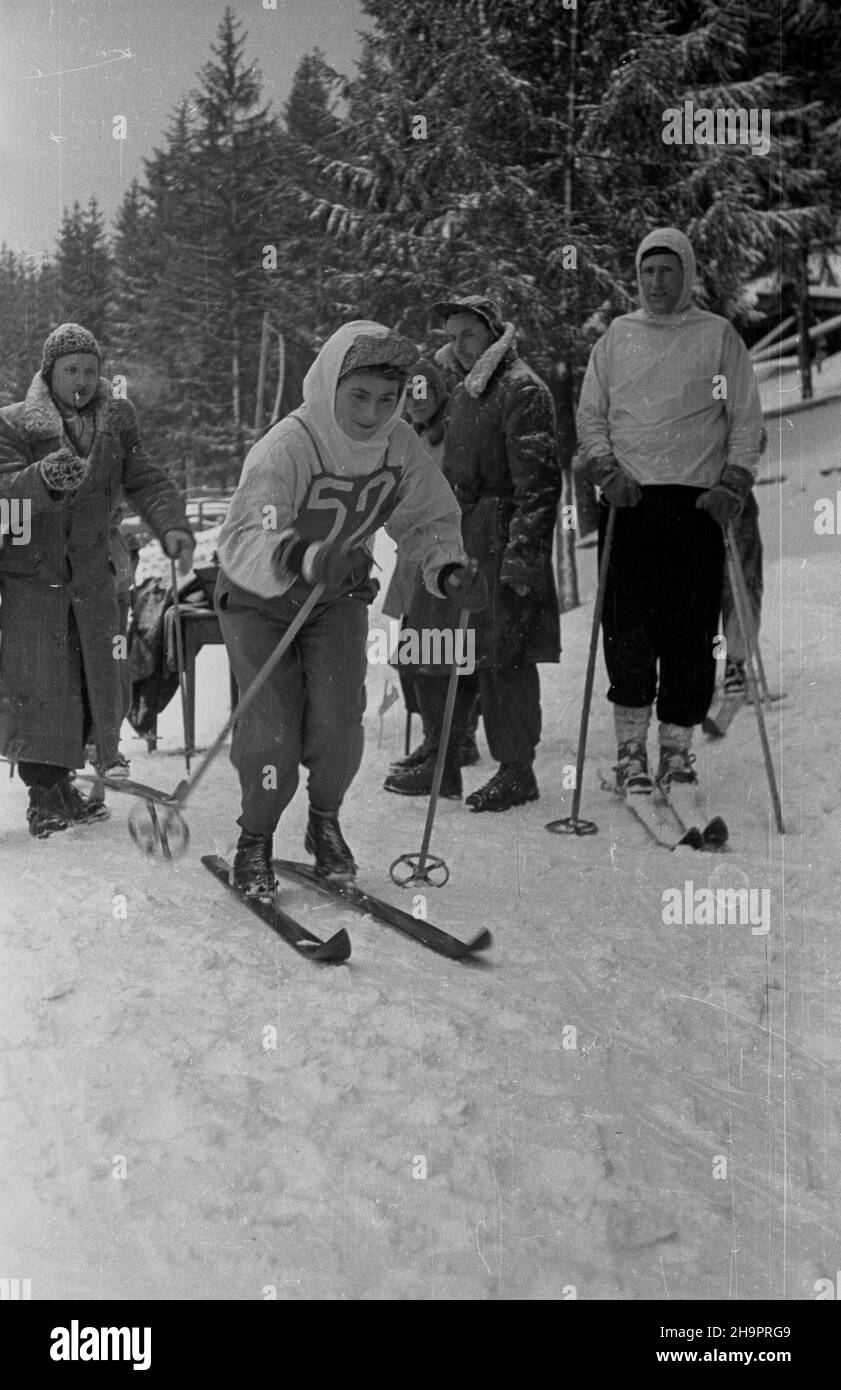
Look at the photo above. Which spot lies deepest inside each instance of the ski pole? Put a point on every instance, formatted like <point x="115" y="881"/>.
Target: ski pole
<point x="751" y="637"/>
<point x="187" y="787"/>
<point x="422" y="866"/>
<point x="407" y="741"/>
<point x="182" y="673"/>
<point x="735" y="570"/>
<point x="572" y="824"/>
<point x="153" y="832"/>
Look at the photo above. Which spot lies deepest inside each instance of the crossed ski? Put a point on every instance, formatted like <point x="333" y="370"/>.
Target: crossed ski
<point x="713" y="836"/>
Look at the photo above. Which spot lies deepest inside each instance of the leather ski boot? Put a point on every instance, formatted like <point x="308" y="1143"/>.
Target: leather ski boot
<point x="418" y="781"/>
<point x="252" y="871"/>
<point x="676" y="766"/>
<point x="325" y="841"/>
<point x="416" y="758"/>
<point x="80" y="810"/>
<point x="631" y="768"/>
<point x="512" y="785"/>
<point x="46" y="812"/>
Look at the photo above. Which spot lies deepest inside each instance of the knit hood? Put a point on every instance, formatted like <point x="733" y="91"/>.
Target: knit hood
<point x="670" y="239"/>
<point x="340" y="453"/>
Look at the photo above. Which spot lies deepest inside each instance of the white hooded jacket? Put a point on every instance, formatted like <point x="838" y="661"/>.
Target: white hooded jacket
<point x="425" y="520"/>
<point x="672" y="396"/>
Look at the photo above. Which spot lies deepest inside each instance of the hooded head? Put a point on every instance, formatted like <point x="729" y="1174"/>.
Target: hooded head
<point x="425" y="402"/>
<point x="371" y="405"/>
<point x="666" y="241"/>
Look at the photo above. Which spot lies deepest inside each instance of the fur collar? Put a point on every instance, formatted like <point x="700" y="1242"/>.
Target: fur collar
<point x="40" y="417"/>
<point x="483" y="369"/>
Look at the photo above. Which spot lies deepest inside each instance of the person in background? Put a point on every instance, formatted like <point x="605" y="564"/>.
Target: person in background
<point x="67" y="451"/>
<point x="501" y="458"/>
<point x="670" y="424"/>
<point x="426" y="410"/>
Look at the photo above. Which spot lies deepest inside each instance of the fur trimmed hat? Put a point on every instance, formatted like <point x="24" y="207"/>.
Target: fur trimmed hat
<point x="64" y="340"/>
<point x="369" y="352"/>
<point x="485" y="309"/>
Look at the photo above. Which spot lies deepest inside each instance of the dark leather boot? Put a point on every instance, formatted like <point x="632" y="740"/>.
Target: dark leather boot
<point x="46" y="812"/>
<point x="511" y="786"/>
<point x="252" y="872"/>
<point x="326" y="842"/>
<point x="418" y="781"/>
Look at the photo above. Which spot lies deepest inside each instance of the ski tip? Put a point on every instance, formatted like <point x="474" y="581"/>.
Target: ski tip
<point x="693" y="839"/>
<point x="479" y="943"/>
<point x="334" y="951"/>
<point x="716" y="833"/>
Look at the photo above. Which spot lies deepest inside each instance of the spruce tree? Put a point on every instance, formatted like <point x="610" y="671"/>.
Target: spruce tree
<point x="83" y="266"/>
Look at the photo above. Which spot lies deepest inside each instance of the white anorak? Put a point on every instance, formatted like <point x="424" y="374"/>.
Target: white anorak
<point x="425" y="522"/>
<point x="671" y="396"/>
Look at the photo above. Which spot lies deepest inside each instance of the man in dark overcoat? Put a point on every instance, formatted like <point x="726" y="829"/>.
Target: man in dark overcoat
<point x="501" y="460"/>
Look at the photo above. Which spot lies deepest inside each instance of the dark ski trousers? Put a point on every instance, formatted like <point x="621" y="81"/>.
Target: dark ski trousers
<point x="662" y="602"/>
<point x="510" y="703"/>
<point x="310" y="710"/>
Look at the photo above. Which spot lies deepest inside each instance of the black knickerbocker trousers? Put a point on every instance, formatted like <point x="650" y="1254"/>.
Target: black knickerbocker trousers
<point x="662" y="603"/>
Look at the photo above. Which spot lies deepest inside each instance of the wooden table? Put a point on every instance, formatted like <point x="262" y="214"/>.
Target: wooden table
<point x="200" y="628"/>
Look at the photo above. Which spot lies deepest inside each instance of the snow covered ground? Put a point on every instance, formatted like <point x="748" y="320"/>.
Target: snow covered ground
<point x="604" y="1107"/>
<point x="779" y="384"/>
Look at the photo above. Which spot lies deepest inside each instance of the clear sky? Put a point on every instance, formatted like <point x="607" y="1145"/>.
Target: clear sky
<point x="69" y="67"/>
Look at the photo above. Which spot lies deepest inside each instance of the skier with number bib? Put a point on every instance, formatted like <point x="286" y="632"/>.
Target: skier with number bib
<point x="313" y="492"/>
<point x="670" y="424"/>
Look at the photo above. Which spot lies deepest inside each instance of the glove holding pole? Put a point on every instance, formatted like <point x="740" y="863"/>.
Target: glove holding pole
<point x="619" y="488"/>
<point x="316" y="562"/>
<point x="725" y="500"/>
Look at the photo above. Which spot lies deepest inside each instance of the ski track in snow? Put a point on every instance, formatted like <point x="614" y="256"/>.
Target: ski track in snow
<point x="251" y="1167"/>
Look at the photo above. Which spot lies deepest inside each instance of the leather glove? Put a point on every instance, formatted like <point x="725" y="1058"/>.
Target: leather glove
<point x="725" y="500"/>
<point x="619" y="488"/>
<point x="317" y="562"/>
<point x="466" y="584"/>
<point x="179" y="545"/>
<point x="722" y="504"/>
<point x="63" y="471"/>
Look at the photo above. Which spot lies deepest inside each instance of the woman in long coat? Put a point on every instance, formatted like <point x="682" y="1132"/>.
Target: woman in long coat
<point x="66" y="453"/>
